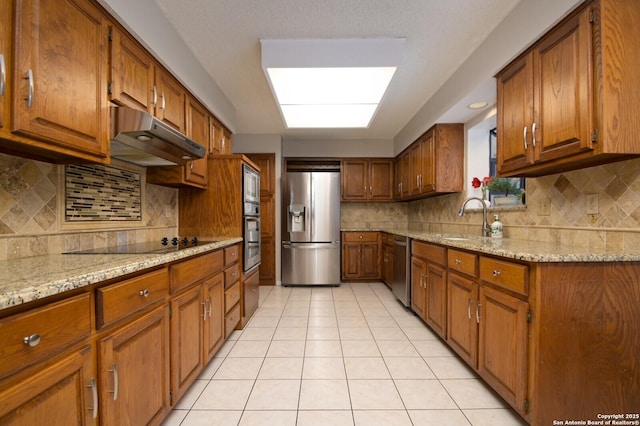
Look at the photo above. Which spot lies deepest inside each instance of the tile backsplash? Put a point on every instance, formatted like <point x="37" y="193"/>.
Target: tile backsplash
<point x="32" y="211"/>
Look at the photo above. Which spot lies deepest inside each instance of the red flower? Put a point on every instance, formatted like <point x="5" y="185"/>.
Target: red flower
<point x="486" y="181"/>
<point x="476" y="182"/>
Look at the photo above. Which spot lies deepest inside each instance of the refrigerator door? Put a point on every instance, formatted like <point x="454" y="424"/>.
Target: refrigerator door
<point x="325" y="207"/>
<point x="296" y="212"/>
<point x="311" y="264"/>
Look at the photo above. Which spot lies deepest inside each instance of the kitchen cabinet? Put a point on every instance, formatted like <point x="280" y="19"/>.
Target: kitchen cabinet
<point x="232" y="293"/>
<point x="433" y="164"/>
<point x="360" y="255"/>
<point x="134" y="368"/>
<point x="213" y="317"/>
<point x="387" y="259"/>
<point x="60" y="393"/>
<point x="194" y="173"/>
<point x="219" y="139"/>
<point x="367" y="179"/>
<point x="560" y="104"/>
<point x="429" y="284"/>
<point x="249" y="296"/>
<point x="57" y="84"/>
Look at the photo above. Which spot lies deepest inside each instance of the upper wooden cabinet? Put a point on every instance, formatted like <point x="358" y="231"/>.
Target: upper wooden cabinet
<point x="56" y="89"/>
<point x="219" y="139"/>
<point x="562" y="103"/>
<point x="433" y="164"/>
<point x="367" y="179"/>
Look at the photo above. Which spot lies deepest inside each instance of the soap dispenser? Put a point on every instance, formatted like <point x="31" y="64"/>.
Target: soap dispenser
<point x="496" y="228"/>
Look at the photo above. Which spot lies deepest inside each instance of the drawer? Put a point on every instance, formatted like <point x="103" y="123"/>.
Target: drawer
<point x="509" y="275"/>
<point x="360" y="236"/>
<point x="231" y="296"/>
<point x="231" y="255"/>
<point x="32" y="336"/>
<point x="185" y="273"/>
<point x="231" y="275"/>
<point x="116" y="301"/>
<point x="231" y="320"/>
<point x="431" y="252"/>
<point x="462" y="261"/>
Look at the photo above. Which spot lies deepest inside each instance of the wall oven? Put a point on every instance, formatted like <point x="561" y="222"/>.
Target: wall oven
<point x="251" y="216"/>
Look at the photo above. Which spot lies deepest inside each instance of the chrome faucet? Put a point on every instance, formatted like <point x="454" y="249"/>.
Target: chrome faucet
<point x="486" y="230"/>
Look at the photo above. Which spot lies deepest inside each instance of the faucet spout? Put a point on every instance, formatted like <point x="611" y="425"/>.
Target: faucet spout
<point x="486" y="230"/>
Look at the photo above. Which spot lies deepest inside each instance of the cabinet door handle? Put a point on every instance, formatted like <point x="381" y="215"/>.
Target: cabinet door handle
<point x="478" y="313"/>
<point x="32" y="341"/>
<point x="524" y="136"/>
<point x="144" y="293"/>
<point x="155" y="96"/>
<point x="497" y="272"/>
<point x="94" y="395"/>
<point x="469" y="308"/>
<point x="191" y="165"/>
<point x="371" y="190"/>
<point x="164" y="103"/>
<point x="29" y="97"/>
<point x="210" y="306"/>
<point x="114" y="370"/>
<point x="3" y="74"/>
<point x="533" y="134"/>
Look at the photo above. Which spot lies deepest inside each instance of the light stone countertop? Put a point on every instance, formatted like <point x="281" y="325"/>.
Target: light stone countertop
<point x="526" y="250"/>
<point x="32" y="278"/>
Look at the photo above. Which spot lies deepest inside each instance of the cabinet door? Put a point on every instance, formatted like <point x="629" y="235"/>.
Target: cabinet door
<point x="5" y="56"/>
<point x="219" y="140"/>
<point x="418" y="277"/>
<point x="355" y="182"/>
<point x="61" y="394"/>
<point x="134" y="371"/>
<point x="132" y="73"/>
<point x="351" y="260"/>
<point x="462" y="321"/>
<point x="370" y="261"/>
<point x="387" y="266"/>
<point x="515" y="114"/>
<point x="502" y="350"/>
<point x="213" y="291"/>
<point x="171" y="101"/>
<point x="381" y="180"/>
<point x="563" y="96"/>
<point x="415" y="170"/>
<point x="60" y="76"/>
<point x="198" y="130"/>
<point x="187" y="318"/>
<point x="436" y="298"/>
<point x="428" y="159"/>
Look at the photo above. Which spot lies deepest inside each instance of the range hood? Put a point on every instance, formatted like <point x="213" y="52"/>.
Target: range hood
<point x="140" y="138"/>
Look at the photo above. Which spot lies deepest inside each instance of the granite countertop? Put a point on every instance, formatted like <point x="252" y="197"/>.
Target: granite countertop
<point x="526" y="250"/>
<point x="32" y="278"/>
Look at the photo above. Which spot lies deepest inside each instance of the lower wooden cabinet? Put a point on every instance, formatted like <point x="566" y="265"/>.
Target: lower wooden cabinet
<point x="462" y="323"/>
<point x="213" y="316"/>
<point x="387" y="259"/>
<point x="250" y="295"/>
<point x="361" y="255"/>
<point x="429" y="285"/>
<point x="133" y="364"/>
<point x="62" y="393"/>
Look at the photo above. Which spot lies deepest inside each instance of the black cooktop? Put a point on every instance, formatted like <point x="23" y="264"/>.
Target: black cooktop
<point x="165" y="245"/>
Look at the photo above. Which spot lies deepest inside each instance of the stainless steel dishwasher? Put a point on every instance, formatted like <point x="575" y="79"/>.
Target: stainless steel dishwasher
<point x="401" y="285"/>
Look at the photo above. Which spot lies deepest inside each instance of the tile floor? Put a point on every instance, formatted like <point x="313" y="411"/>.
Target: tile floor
<point x="348" y="355"/>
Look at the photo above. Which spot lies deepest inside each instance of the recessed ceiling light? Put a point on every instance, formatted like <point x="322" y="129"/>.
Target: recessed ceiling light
<point x="478" y="105"/>
<point x="330" y="83"/>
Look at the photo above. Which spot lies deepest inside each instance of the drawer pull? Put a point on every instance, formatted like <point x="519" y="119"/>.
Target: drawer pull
<point x="478" y="312"/>
<point x="360" y="236"/>
<point x="114" y="370"/>
<point x="469" y="308"/>
<point x="144" y="293"/>
<point x="458" y="261"/>
<point x="94" y="395"/>
<point x="32" y="341"/>
<point x="235" y="296"/>
<point x="497" y="272"/>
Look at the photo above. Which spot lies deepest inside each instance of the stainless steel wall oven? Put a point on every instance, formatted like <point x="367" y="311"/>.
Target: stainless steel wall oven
<point x="251" y="216"/>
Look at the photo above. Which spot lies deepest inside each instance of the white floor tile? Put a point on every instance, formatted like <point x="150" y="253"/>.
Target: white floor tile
<point x="176" y="417"/>
<point x="323" y="368"/>
<point x="388" y="333"/>
<point x="224" y="395"/>
<point x="299" y="322"/>
<point x="281" y="368"/>
<point x="262" y="322"/>
<point x="450" y="367"/>
<point x="257" y="333"/>
<point x="374" y="395"/>
<point x="323" y="348"/>
<point x="397" y="348"/>
<point x="212" y="417"/>
<point x="286" y="349"/>
<point x="190" y="396"/>
<point x="494" y="417"/>
<point x="360" y="348"/>
<point x="366" y="368"/>
<point x="325" y="418"/>
<point x="211" y="368"/>
<point x="439" y="417"/>
<point x="322" y="333"/>
<point x="290" y="333"/>
<point x="274" y="395"/>
<point x="324" y="395"/>
<point x="239" y="368"/>
<point x="424" y="395"/>
<point x="419" y="332"/>
<point x="472" y="393"/>
<point x="323" y="321"/>
<point x="355" y="333"/>
<point x="408" y="368"/>
<point x="268" y="418"/>
<point x="429" y="348"/>
<point x="381" y="418"/>
<point x="249" y="349"/>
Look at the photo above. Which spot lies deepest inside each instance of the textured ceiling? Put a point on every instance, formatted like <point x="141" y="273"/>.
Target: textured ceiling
<point x="224" y="35"/>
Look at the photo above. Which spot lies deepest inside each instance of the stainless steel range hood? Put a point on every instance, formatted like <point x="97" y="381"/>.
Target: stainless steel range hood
<point x="140" y="138"/>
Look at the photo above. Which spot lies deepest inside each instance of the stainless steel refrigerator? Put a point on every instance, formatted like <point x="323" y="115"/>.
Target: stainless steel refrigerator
<point x="311" y="228"/>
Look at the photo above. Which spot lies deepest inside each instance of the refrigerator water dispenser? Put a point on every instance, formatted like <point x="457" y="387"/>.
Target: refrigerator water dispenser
<point x="296" y="218"/>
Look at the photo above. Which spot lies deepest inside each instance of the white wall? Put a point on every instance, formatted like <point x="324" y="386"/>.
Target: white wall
<point x="477" y="149"/>
<point x="337" y="148"/>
